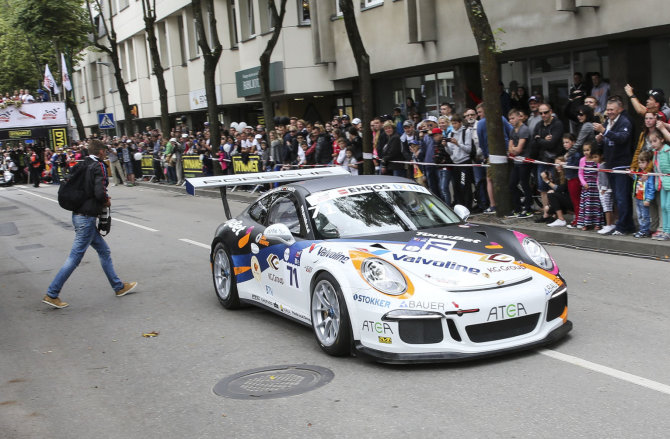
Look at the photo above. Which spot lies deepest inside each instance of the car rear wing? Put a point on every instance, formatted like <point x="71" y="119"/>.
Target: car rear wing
<point x="224" y="181"/>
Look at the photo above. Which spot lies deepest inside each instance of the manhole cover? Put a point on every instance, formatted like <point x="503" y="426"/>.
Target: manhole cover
<point x="273" y="382"/>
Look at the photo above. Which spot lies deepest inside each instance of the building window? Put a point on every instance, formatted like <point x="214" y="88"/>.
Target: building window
<point x="182" y="40"/>
<point x="371" y="3"/>
<point x="161" y="30"/>
<point x="232" y="24"/>
<point x="122" y="62"/>
<point x="123" y="4"/>
<point x="112" y="3"/>
<point x="304" y="18"/>
<point x="132" y="71"/>
<point x="265" y="14"/>
<point x="94" y="79"/>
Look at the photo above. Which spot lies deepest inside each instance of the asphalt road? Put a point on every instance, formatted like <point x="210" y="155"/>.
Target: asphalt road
<point x="87" y="371"/>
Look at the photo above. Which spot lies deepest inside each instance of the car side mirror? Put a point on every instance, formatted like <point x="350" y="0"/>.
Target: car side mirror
<point x="462" y="212"/>
<point x="280" y="232"/>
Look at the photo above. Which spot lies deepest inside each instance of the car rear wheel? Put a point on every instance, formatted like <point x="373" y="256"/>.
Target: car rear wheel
<point x="330" y="318"/>
<point x="224" y="278"/>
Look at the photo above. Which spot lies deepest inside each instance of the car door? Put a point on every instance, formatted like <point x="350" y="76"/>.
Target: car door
<point x="283" y="281"/>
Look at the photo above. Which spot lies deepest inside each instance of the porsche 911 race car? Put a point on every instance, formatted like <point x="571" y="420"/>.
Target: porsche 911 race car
<point x="381" y="267"/>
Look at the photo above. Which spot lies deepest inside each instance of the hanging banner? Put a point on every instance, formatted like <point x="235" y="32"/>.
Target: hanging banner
<point x="38" y="114"/>
<point x="252" y="165"/>
<point x="59" y="138"/>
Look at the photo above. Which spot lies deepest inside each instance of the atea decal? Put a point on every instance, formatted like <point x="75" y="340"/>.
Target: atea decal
<point x="444" y="264"/>
<point x="506" y="311"/>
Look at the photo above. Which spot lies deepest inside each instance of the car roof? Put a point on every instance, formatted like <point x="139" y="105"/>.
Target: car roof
<point x="326" y="183"/>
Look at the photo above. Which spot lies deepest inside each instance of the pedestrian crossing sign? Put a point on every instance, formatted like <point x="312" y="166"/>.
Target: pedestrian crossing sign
<point x="106" y="121"/>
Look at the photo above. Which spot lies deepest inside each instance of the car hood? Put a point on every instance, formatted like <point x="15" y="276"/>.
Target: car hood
<point x="466" y="258"/>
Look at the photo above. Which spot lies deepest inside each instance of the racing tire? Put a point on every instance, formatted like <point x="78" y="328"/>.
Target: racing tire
<point x="223" y="276"/>
<point x="330" y="317"/>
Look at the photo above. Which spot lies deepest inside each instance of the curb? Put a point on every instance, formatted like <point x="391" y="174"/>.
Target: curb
<point x="575" y="238"/>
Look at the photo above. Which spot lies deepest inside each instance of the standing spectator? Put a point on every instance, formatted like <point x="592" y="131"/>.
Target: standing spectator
<point x="520" y="99"/>
<point x="323" y="147"/>
<point x="590" y="212"/>
<point x="534" y="117"/>
<point x="572" y="157"/>
<point x="441" y="157"/>
<point x="36" y="167"/>
<point x="546" y="146"/>
<point x="459" y="147"/>
<point x="115" y="166"/>
<point x="126" y="157"/>
<point x="644" y="192"/>
<point x="446" y="110"/>
<point x="600" y="91"/>
<point x="478" y="172"/>
<point x="482" y="135"/>
<point x="617" y="140"/>
<point x="518" y="146"/>
<point x="156" y="158"/>
<point x="415" y="148"/>
<point x="655" y="103"/>
<point x="179" y="149"/>
<point x="356" y="143"/>
<point x="427" y="153"/>
<point x="349" y="162"/>
<point x="662" y="165"/>
<point x="392" y="152"/>
<point x="86" y="234"/>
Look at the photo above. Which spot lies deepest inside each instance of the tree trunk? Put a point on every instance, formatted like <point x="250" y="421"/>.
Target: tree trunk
<point x="211" y="59"/>
<point x="149" y="27"/>
<point x="264" y="72"/>
<point x="364" y="80"/>
<point x="488" y="63"/>
<point x="72" y="106"/>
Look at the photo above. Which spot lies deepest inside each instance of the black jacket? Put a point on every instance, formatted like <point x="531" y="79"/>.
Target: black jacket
<point x="95" y="184"/>
<point x="392" y="151"/>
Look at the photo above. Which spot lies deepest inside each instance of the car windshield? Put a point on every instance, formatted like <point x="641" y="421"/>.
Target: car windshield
<point x="377" y="212"/>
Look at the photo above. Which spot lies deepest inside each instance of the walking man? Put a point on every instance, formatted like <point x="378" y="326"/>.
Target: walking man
<point x="86" y="232"/>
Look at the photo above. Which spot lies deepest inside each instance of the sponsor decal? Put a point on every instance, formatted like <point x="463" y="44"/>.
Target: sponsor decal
<point x="50" y="114"/>
<point x="500" y="269"/>
<point x="415" y="244"/>
<point x="274" y="278"/>
<point x="287" y="253"/>
<point x="256" y="268"/>
<point x="503" y="312"/>
<point x="268" y="290"/>
<point x="304" y="218"/>
<point x="378" y="327"/>
<point x="299" y="316"/>
<point x="372" y="301"/>
<point x="332" y="194"/>
<point x="497" y="257"/>
<point x="254" y="248"/>
<point x="385" y="340"/>
<point x="235" y="226"/>
<point x="273" y="261"/>
<point x="263" y="300"/>
<point x="312" y="247"/>
<point x="550" y="288"/>
<point x="260" y="239"/>
<point x="418" y="304"/>
<point x="334" y="255"/>
<point x="494" y="245"/>
<point x="245" y="239"/>
<point x="308" y="269"/>
<point x="451" y="237"/>
<point x="451" y="265"/>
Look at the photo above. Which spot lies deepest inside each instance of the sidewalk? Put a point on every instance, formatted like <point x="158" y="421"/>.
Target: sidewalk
<point x="625" y="245"/>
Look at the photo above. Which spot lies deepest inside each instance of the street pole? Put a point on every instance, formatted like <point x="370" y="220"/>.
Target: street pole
<point x="111" y="92"/>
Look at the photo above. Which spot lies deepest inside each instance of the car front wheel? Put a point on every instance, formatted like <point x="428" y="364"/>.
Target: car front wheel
<point x="224" y="278"/>
<point x="330" y="318"/>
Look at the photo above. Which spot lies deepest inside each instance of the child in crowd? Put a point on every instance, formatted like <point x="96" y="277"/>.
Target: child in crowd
<point x="572" y="157"/>
<point x="605" y="194"/>
<point x="644" y="190"/>
<point x="349" y="162"/>
<point x="662" y="165"/>
<point x="557" y="195"/>
<point x="590" y="212"/>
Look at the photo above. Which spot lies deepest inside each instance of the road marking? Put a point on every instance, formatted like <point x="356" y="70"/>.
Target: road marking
<point x="115" y="218"/>
<point x="196" y="243"/>
<point x="40" y="196"/>
<point x="625" y="376"/>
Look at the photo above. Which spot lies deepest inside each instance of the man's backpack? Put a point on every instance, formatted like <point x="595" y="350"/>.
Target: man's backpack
<point x="72" y="193"/>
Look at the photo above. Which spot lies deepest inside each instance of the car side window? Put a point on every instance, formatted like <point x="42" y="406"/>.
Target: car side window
<point x="259" y="210"/>
<point x="283" y="210"/>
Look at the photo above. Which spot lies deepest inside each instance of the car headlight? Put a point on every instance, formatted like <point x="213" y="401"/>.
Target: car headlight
<point x="537" y="253"/>
<point x="383" y="276"/>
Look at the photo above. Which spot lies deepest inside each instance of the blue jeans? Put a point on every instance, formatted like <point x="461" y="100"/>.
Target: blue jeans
<point x="541" y="185"/>
<point x="643" y="216"/>
<point x="445" y="179"/>
<point x="86" y="234"/>
<point x="432" y="179"/>
<point x="171" y="174"/>
<point x="521" y="174"/>
<point x="622" y="188"/>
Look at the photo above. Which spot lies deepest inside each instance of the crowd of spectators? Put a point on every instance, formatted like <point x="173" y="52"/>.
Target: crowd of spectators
<point x="561" y="159"/>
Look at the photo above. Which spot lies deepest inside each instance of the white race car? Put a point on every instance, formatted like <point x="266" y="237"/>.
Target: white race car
<point x="380" y="267"/>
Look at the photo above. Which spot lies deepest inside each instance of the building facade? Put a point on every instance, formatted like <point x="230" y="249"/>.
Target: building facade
<point x="419" y="49"/>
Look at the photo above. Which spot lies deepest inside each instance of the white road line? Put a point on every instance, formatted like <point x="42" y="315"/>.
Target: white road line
<point x="115" y="218"/>
<point x="196" y="243"/>
<point x="624" y="376"/>
<point x="40" y="196"/>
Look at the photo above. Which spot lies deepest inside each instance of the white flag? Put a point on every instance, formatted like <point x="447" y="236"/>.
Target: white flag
<point x="49" y="81"/>
<point x="66" y="78"/>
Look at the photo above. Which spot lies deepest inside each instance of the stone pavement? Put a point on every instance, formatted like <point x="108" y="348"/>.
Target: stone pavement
<point x="589" y="240"/>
